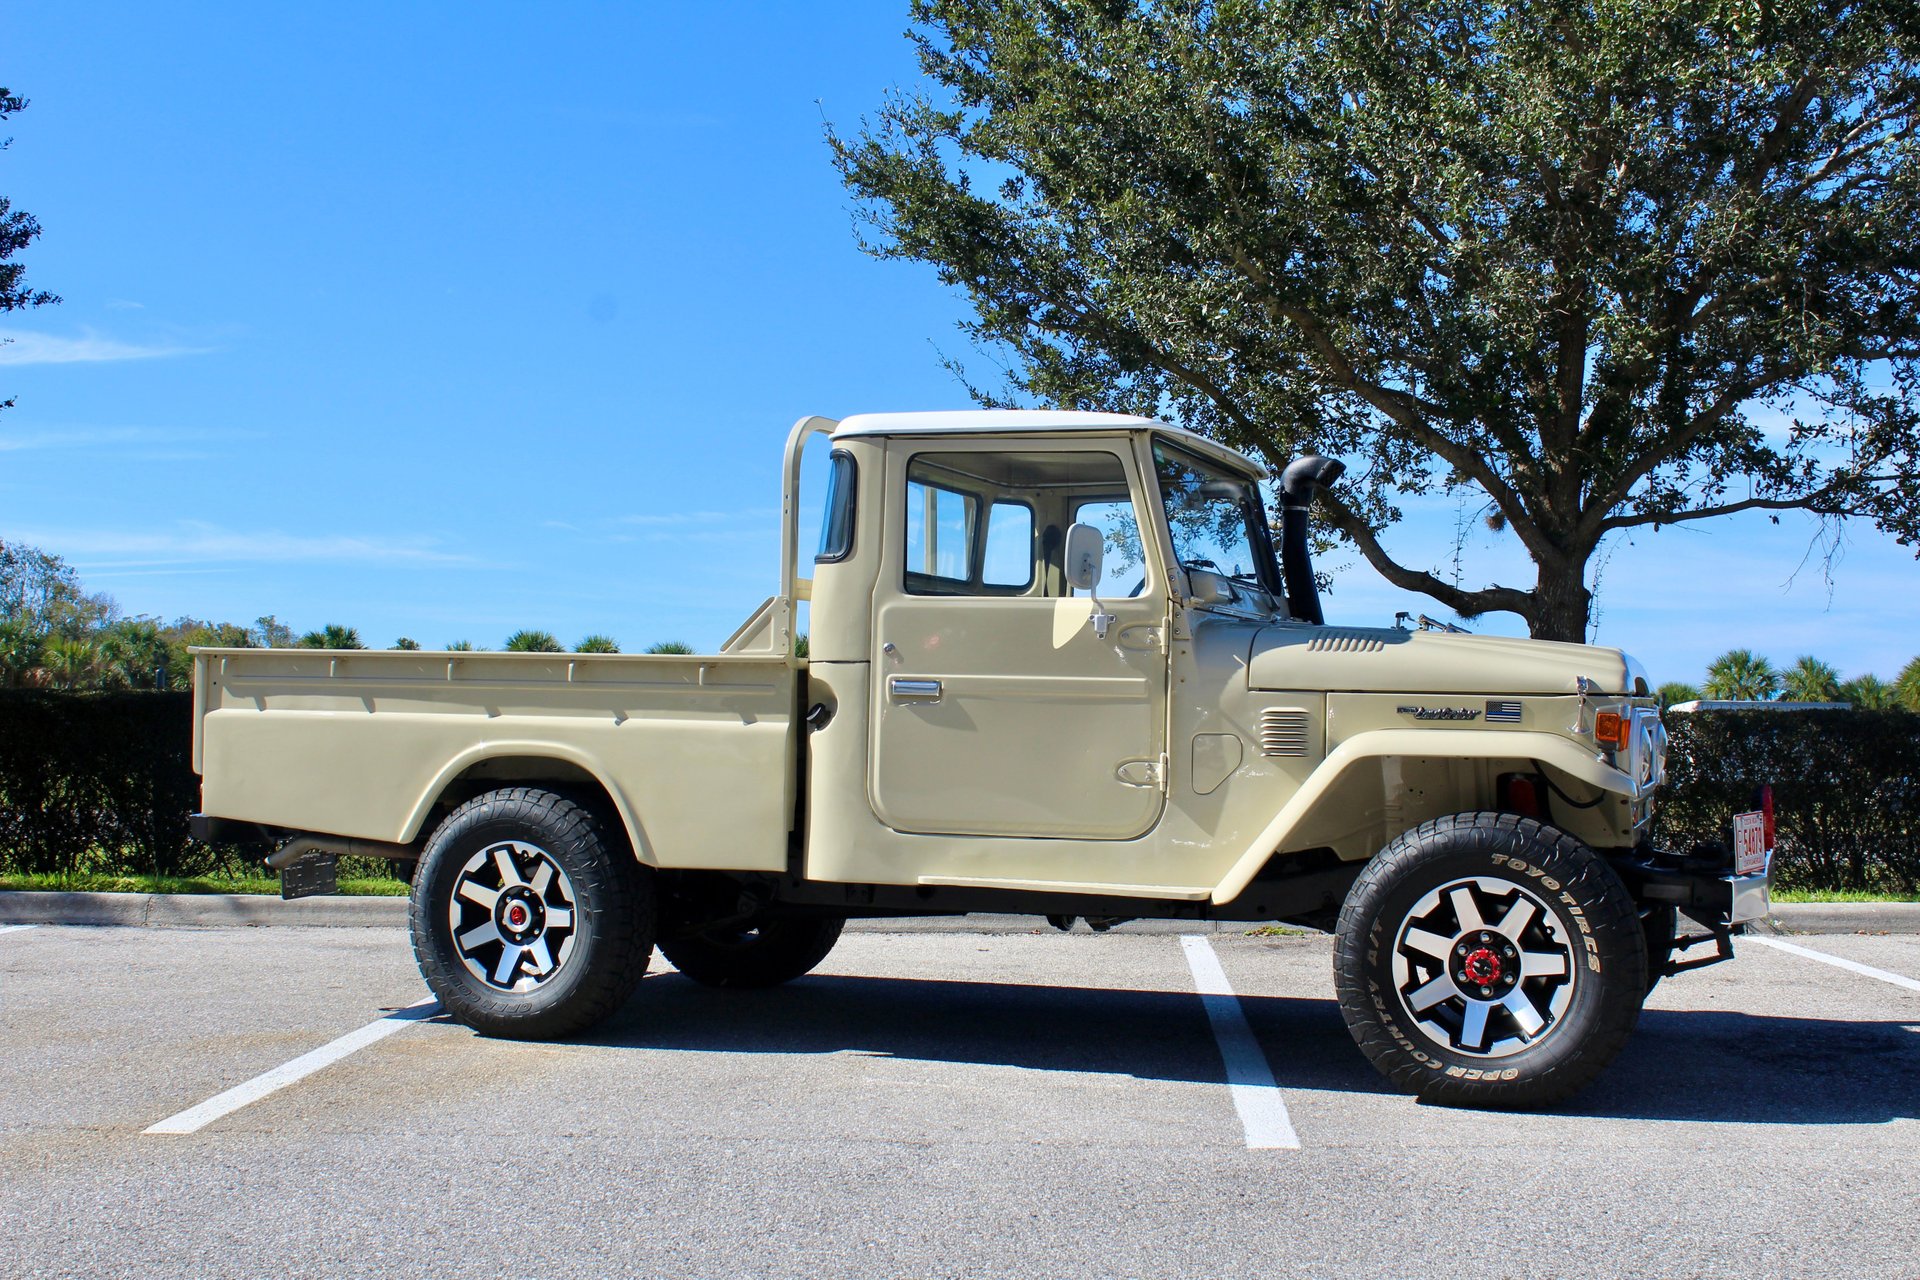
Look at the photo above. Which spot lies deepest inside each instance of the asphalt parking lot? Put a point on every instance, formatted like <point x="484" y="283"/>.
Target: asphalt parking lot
<point x="926" y="1104"/>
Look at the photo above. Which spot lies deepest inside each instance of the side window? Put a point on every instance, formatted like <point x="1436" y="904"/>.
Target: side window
<point x="1009" y="554"/>
<point x="980" y="523"/>
<point x="940" y="524"/>
<point x="1124" y="571"/>
<point x="836" y="532"/>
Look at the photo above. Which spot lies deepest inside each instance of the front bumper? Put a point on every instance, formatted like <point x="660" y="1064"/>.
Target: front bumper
<point x="1701" y="885"/>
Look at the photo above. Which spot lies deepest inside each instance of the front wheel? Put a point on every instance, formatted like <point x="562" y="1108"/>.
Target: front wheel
<point x="1488" y="960"/>
<point x="529" y="921"/>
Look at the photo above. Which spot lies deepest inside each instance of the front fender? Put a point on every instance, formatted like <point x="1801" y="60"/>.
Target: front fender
<point x="1363" y="750"/>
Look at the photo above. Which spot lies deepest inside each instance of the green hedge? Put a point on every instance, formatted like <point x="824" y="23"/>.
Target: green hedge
<point x="103" y="783"/>
<point x="99" y="782"/>
<point x="1846" y="791"/>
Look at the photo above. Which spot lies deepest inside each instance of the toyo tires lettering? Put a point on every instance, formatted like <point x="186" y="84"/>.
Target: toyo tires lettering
<point x="1566" y="900"/>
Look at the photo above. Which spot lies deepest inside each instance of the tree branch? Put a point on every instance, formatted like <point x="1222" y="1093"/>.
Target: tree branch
<point x="1467" y="603"/>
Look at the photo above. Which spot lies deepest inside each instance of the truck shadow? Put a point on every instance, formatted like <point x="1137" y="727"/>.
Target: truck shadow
<point x="1703" y="1066"/>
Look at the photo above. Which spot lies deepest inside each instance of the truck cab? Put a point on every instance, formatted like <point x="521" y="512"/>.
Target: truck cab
<point x="1055" y="663"/>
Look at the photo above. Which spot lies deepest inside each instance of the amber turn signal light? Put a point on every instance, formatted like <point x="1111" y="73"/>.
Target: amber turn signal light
<point x="1610" y="728"/>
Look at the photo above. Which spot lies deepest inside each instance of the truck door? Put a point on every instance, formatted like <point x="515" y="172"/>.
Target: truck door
<point x="1007" y="705"/>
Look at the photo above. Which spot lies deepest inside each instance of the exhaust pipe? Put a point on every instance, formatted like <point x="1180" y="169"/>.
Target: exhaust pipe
<point x="1297" y="484"/>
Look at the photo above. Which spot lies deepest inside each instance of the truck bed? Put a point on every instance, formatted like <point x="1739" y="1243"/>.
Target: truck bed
<point x="697" y="753"/>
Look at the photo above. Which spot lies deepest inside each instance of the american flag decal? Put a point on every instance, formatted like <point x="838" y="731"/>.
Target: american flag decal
<point x="1503" y="713"/>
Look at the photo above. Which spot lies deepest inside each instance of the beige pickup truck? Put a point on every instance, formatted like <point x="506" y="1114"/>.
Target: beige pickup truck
<point x="1055" y="666"/>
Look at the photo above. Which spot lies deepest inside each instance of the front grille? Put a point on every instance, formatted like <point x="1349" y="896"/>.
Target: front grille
<point x="1283" y="731"/>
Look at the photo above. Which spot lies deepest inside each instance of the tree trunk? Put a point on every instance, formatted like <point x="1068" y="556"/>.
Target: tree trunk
<point x="1562" y="604"/>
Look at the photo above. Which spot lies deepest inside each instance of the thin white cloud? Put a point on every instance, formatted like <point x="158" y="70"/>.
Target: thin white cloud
<point x="125" y="304"/>
<point x="23" y="347"/>
<point x="46" y="438"/>
<point x="684" y="518"/>
<point x="196" y="543"/>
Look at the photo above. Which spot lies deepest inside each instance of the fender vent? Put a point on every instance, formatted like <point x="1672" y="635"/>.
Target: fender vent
<point x="1331" y="641"/>
<point x="1283" y="731"/>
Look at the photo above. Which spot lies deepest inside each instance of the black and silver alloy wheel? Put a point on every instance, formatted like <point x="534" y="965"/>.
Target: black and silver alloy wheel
<point x="531" y="919"/>
<point x="1489" y="960"/>
<point x="1484" y="966"/>
<point x="512" y="916"/>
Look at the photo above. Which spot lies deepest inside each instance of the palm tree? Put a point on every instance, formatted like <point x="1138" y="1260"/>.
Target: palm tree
<point x="1870" y="693"/>
<point x="1676" y="691"/>
<point x="460" y="646"/>
<point x="331" y="636"/>
<point x="669" y="646"/>
<point x="534" y="642"/>
<point x="407" y="643"/>
<point x="1906" y="685"/>
<point x="597" y="644"/>
<point x="1810" y="680"/>
<point x="73" y="661"/>
<point x="1742" y="675"/>
<point x="20" y="649"/>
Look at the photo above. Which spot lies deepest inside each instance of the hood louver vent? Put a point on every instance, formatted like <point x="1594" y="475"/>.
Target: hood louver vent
<point x="1345" y="642"/>
<point x="1283" y="732"/>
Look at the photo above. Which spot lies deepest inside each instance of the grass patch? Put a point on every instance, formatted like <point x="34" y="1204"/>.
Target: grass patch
<point x="1836" y="895"/>
<point x="1276" y="931"/>
<point x="103" y="882"/>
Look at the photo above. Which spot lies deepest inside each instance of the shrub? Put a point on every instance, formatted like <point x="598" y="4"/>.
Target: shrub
<point x="1846" y="791"/>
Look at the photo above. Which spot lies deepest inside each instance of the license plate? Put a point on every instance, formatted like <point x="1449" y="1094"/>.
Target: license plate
<point x="1749" y="844"/>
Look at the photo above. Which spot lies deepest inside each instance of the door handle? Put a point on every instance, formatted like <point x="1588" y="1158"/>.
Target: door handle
<point x="905" y="690"/>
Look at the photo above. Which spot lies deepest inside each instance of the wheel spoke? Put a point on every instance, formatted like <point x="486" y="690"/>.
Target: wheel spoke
<point x="1473" y="1031"/>
<point x="559" y="918"/>
<point x="1542" y="964"/>
<point x="479" y="936"/>
<point x="1425" y="997"/>
<point x="539" y="959"/>
<point x="541" y="879"/>
<point x="1431" y="944"/>
<point x="509" y="961"/>
<point x="1518" y="917"/>
<point x="509" y="874"/>
<point x="1466" y="909"/>
<point x="1524" y="1013"/>
<point x="479" y="894"/>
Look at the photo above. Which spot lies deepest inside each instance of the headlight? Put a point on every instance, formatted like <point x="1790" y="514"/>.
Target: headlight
<point x="1646" y="754"/>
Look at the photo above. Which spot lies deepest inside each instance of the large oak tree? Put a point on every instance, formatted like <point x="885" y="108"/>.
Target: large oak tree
<point x="1604" y="265"/>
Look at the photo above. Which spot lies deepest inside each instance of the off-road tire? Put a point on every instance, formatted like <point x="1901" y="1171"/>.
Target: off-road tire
<point x="612" y="915"/>
<point x="765" y="955"/>
<point x="1581" y="910"/>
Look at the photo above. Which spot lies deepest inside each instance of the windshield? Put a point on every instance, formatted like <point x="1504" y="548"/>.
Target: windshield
<point x="1216" y="521"/>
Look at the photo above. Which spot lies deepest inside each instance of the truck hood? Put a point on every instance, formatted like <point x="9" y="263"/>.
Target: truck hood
<point x="1291" y="655"/>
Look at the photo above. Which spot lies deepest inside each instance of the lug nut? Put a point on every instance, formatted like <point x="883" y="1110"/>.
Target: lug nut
<point x="1486" y="991"/>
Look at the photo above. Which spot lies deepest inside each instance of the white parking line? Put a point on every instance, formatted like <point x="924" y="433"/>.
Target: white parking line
<point x="195" y="1118"/>
<point x="1854" y="966"/>
<point x="1263" y="1112"/>
<point x="15" y="928"/>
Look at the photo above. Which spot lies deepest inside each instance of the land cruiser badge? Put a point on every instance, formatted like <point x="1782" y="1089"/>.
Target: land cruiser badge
<point x="1439" y="713"/>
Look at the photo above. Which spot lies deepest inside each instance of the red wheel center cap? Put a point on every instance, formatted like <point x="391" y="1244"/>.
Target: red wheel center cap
<point x="517" y="917"/>
<point x="1483" y="966"/>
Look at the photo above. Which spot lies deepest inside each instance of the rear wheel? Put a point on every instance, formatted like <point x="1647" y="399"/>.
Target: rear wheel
<point x="763" y="953"/>
<point x="1488" y="960"/>
<point x="528" y="920"/>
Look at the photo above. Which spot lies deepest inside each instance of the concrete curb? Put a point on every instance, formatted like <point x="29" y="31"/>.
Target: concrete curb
<point x="227" y="911"/>
<point x="1847" y="917"/>
<point x="199" y="910"/>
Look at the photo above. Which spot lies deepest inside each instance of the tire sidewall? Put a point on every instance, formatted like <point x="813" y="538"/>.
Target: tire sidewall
<point x="1609" y="961"/>
<point x="573" y="846"/>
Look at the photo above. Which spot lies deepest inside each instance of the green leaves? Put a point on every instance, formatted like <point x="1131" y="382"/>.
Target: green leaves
<point x="1605" y="266"/>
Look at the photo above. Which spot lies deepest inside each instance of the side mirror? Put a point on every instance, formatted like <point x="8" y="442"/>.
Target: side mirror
<point x="1086" y="556"/>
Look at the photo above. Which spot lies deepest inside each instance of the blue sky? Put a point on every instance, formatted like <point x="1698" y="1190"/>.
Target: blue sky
<point x="443" y="321"/>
